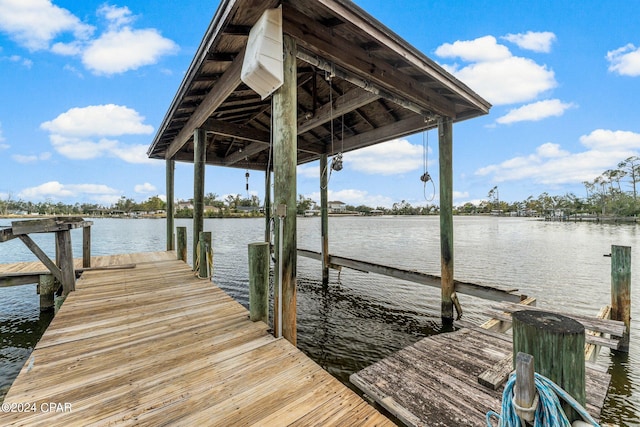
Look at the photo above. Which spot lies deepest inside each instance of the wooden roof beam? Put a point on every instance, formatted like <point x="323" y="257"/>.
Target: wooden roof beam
<point x="356" y="16"/>
<point x="379" y="75"/>
<point x="229" y="81"/>
<point x="346" y="103"/>
<point x="232" y="130"/>
<point x="246" y="152"/>
<point x="387" y="133"/>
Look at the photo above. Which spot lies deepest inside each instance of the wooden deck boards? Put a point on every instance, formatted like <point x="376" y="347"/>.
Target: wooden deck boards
<point x="434" y="382"/>
<point x="157" y="346"/>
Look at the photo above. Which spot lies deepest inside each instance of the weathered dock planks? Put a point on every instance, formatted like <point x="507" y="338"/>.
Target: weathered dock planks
<point x="435" y="381"/>
<point x="155" y="345"/>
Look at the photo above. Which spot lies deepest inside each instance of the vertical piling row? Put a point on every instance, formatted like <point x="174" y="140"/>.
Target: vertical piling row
<point x="621" y="289"/>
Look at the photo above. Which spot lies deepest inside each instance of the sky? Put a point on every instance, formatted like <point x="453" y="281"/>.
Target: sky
<point x="84" y="86"/>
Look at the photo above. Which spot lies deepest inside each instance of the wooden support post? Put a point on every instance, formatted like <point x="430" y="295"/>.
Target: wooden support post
<point x="445" y="147"/>
<point x="86" y="247"/>
<point x="47" y="286"/>
<point x="324" y="214"/>
<point x="205" y="262"/>
<point x="556" y="343"/>
<point x="525" y="387"/>
<point x="285" y="162"/>
<point x="259" y="281"/>
<point x="170" y="190"/>
<point x="181" y="238"/>
<point x="65" y="257"/>
<point x="267" y="206"/>
<point x="621" y="289"/>
<point x="199" y="157"/>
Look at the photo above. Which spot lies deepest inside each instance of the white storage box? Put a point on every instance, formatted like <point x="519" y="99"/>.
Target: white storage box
<point x="262" y="68"/>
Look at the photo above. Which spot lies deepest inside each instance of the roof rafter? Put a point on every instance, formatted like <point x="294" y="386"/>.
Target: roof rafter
<point x="346" y="103"/>
<point x="222" y="89"/>
<point x="322" y="41"/>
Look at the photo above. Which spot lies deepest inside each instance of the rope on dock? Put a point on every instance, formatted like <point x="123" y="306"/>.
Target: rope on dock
<point x="209" y="261"/>
<point x="548" y="412"/>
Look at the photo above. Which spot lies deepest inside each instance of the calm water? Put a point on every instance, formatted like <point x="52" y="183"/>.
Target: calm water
<point x="362" y="318"/>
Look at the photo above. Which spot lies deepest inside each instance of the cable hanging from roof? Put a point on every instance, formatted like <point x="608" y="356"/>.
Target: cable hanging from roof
<point x="336" y="160"/>
<point x="425" y="167"/>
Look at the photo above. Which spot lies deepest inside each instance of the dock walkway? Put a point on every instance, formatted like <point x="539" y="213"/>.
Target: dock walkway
<point x="434" y="382"/>
<point x="155" y="345"/>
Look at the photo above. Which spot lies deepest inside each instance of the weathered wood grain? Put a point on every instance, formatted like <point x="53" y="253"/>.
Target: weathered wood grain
<point x="434" y="381"/>
<point x="157" y="346"/>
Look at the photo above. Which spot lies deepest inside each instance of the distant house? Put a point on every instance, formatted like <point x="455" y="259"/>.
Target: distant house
<point x="184" y="204"/>
<point x="337" y="207"/>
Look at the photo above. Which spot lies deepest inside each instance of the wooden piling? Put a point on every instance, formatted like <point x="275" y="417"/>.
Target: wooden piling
<point x="324" y="213"/>
<point x="445" y="149"/>
<point x="556" y="343"/>
<point x="181" y="240"/>
<point x="285" y="162"/>
<point x="170" y="190"/>
<point x="205" y="254"/>
<point x="65" y="261"/>
<point x="525" y="388"/>
<point x="259" y="281"/>
<point x="47" y="286"/>
<point x="267" y="205"/>
<point x="86" y="247"/>
<point x="199" y="158"/>
<point x="621" y="289"/>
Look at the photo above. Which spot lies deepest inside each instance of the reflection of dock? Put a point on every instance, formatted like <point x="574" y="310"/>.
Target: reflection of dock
<point x="155" y="345"/>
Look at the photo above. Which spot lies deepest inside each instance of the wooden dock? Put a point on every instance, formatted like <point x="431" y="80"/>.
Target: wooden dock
<point x="155" y="345"/>
<point x="434" y="382"/>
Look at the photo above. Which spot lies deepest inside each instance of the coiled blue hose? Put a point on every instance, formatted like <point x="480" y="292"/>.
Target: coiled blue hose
<point x="549" y="412"/>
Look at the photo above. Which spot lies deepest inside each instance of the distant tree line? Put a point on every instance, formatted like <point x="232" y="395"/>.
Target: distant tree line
<point x="9" y="206"/>
<point x="613" y="193"/>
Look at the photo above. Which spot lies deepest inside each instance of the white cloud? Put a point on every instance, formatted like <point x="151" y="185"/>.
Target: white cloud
<point x="625" y="60"/>
<point x="535" y="111"/>
<point x="550" y="164"/>
<point x="25" y="62"/>
<point x="145" y="188"/>
<point x="82" y="149"/>
<point x="482" y="49"/>
<point x="117" y="17"/>
<point x="389" y="158"/>
<point x="81" y="133"/>
<point x="495" y="73"/>
<point x="126" y="49"/>
<point x="54" y="189"/>
<point x="531" y="40"/>
<point x="20" y="158"/>
<point x="602" y="139"/>
<point x="67" y="49"/>
<point x="102" y="120"/>
<point x="308" y="171"/>
<point x="457" y="195"/>
<point x="35" y="23"/>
